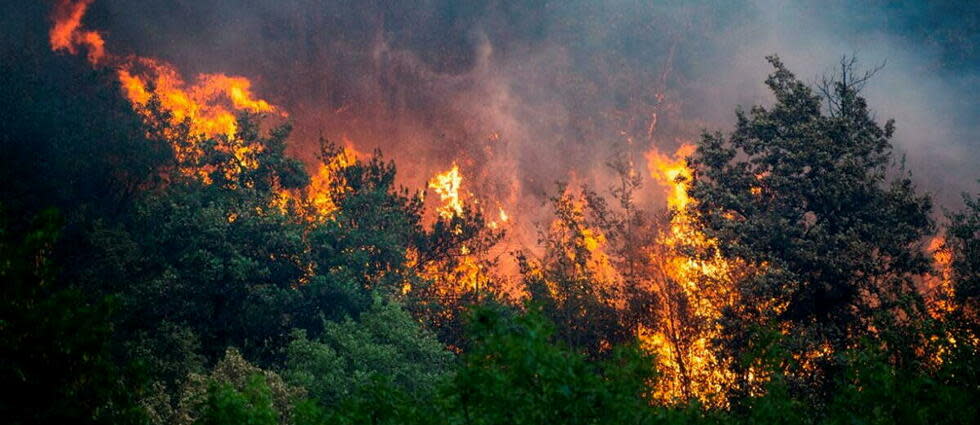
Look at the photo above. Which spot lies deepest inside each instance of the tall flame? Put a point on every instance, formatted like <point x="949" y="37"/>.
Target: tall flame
<point x="447" y="185"/>
<point x="939" y="288"/>
<point x="208" y="104"/>
<point x="674" y="174"/>
<point x="687" y="363"/>
<point x="465" y="272"/>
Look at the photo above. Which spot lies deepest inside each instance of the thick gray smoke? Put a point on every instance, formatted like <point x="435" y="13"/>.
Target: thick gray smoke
<point x="552" y="90"/>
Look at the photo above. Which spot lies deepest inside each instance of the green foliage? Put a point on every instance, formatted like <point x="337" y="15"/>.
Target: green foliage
<point x="226" y="405"/>
<point x="375" y="222"/>
<point x="56" y="363"/>
<point x="384" y="342"/>
<point x="801" y="191"/>
<point x="514" y="374"/>
<point x="196" y="265"/>
<point x="377" y="402"/>
<point x="235" y="389"/>
<point x="873" y="391"/>
<point x="68" y="139"/>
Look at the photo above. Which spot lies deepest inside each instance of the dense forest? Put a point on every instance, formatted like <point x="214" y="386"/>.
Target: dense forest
<point x="157" y="270"/>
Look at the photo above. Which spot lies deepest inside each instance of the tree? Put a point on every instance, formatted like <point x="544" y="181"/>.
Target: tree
<point x="963" y="242"/>
<point x="236" y="392"/>
<point x="804" y="192"/>
<point x="372" y="227"/>
<point x="454" y="270"/>
<point x="385" y="342"/>
<point x="56" y="363"/>
<point x="68" y="139"/>
<point x="226" y="405"/>
<point x="516" y="374"/>
<point x="873" y="390"/>
<point x="575" y="283"/>
<point x="186" y="255"/>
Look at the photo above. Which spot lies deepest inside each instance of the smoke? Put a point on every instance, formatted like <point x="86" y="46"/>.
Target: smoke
<point x="523" y="94"/>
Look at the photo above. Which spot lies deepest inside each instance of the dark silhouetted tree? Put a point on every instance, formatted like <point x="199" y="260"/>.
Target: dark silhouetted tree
<point x="805" y="191"/>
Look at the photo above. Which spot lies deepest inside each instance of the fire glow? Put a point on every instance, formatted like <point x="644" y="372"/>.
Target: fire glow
<point x="209" y="106"/>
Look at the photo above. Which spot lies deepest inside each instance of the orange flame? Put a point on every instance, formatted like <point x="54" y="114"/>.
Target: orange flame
<point x="447" y="185"/>
<point x="209" y="105"/>
<point x="317" y="200"/>
<point x="939" y="288"/>
<point x="66" y="34"/>
<point x="502" y="218"/>
<point x="688" y="369"/>
<point x="577" y="249"/>
<point x="673" y="173"/>
<point x="465" y="271"/>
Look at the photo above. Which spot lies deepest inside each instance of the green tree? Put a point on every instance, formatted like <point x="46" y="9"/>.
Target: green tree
<point x="55" y="360"/>
<point x="384" y="342"/>
<point x="188" y="256"/>
<point x="872" y="389"/>
<point x="68" y="139"/>
<point x="236" y="391"/>
<point x="805" y="191"/>
<point x="515" y="374"/>
<point x="226" y="405"/>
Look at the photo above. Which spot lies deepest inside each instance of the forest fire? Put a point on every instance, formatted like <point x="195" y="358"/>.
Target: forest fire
<point x="199" y="104"/>
<point x="939" y="287"/>
<point x="780" y="264"/>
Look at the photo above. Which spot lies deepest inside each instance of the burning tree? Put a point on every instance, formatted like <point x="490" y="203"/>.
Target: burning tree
<point x="575" y="281"/>
<point x="693" y="285"/>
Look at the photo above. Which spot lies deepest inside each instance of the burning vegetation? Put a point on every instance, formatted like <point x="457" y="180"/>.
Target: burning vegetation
<point x="786" y="272"/>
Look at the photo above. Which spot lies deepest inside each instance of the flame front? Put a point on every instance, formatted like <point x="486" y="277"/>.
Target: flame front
<point x="208" y="106"/>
